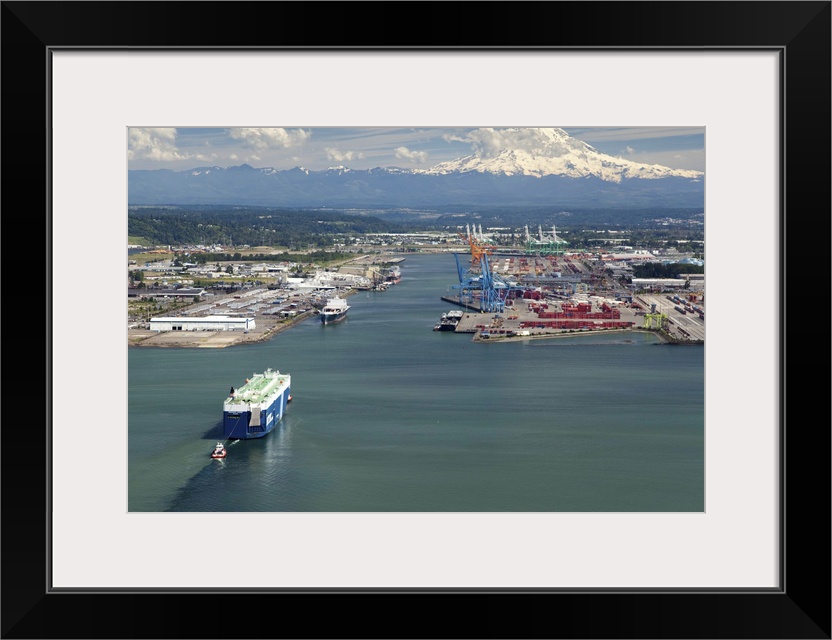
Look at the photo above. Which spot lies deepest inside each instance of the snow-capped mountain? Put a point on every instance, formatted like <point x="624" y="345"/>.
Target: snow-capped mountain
<point x="539" y="167"/>
<point x="550" y="151"/>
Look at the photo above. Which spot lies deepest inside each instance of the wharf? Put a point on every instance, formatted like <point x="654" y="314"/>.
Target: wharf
<point x="520" y="321"/>
<point x="460" y="303"/>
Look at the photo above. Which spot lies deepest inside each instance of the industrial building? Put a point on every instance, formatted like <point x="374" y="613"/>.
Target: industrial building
<point x="640" y="284"/>
<point x="165" y="292"/>
<point x="207" y="323"/>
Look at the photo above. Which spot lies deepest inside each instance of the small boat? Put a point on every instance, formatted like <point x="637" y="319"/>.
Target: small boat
<point x="289" y="399"/>
<point x="219" y="451"/>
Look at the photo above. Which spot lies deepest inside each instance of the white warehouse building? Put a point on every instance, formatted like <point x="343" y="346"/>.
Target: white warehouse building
<point x="206" y="323"/>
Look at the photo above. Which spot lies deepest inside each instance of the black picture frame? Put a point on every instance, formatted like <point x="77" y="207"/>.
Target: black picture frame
<point x="800" y="608"/>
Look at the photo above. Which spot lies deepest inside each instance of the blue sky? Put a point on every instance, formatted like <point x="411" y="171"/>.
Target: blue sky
<point x="317" y="148"/>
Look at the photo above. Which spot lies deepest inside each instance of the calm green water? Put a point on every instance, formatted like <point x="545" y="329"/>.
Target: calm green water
<point x="388" y="415"/>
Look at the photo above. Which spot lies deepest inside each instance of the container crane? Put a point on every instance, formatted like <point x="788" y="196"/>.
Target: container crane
<point x="655" y="321"/>
<point x="477" y="250"/>
<point x="478" y="283"/>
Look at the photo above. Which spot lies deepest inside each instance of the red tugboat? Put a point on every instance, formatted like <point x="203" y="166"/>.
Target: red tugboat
<point x="219" y="451"/>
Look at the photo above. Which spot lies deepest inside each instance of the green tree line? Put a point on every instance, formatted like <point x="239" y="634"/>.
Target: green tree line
<point x="658" y="270"/>
<point x="285" y="256"/>
<point x="295" y="229"/>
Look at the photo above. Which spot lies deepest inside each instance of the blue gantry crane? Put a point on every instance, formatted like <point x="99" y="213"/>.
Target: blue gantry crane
<point x="479" y="287"/>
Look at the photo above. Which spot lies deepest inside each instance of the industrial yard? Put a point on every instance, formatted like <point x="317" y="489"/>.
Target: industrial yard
<point x="549" y="293"/>
<point x="529" y="318"/>
<point x="230" y="314"/>
<point x="549" y="296"/>
<point x="502" y="297"/>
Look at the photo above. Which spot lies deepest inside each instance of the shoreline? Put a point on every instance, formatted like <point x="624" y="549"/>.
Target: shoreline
<point x="210" y="339"/>
<point x="265" y="331"/>
<point x="268" y="326"/>
<point x="224" y="339"/>
<point x="571" y="334"/>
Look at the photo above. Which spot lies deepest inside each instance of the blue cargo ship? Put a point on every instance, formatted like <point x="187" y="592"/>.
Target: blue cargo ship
<point x="254" y="409"/>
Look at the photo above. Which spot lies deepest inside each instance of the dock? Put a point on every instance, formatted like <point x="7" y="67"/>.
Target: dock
<point x="524" y="319"/>
<point x="460" y="303"/>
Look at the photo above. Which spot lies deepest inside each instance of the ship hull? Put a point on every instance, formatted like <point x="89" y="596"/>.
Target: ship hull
<point x="332" y="318"/>
<point x="238" y="425"/>
<point x="448" y="321"/>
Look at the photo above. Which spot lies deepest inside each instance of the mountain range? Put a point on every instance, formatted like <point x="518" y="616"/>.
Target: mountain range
<point x="551" y="169"/>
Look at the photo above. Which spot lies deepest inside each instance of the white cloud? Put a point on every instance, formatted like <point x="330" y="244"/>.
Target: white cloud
<point x="158" y="144"/>
<point x="340" y="156"/>
<point x="269" y="138"/>
<point x="489" y="143"/>
<point x="403" y="153"/>
<point x="152" y="144"/>
<point x="450" y="137"/>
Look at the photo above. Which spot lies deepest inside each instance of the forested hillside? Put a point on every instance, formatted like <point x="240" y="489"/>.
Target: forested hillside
<point x="252" y="226"/>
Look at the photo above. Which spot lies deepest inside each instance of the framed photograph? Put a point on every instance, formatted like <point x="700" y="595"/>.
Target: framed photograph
<point x="754" y="76"/>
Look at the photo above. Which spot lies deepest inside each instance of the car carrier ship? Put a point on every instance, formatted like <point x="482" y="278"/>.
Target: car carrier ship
<point x="254" y="409"/>
<point x="334" y="310"/>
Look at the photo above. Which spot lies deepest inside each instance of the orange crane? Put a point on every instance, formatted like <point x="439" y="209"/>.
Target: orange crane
<point x="477" y="250"/>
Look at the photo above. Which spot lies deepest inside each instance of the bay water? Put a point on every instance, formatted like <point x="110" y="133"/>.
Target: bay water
<point x="391" y="416"/>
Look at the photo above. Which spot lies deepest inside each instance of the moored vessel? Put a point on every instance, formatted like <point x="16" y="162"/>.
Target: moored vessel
<point x="448" y="321"/>
<point x="334" y="310"/>
<point x="254" y="409"/>
<point x="394" y="275"/>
